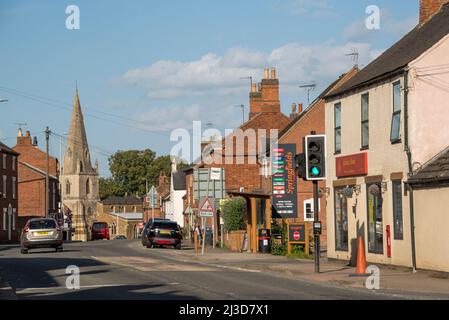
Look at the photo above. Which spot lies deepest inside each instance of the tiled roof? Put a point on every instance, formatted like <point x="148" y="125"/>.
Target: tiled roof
<point x="122" y="201"/>
<point x="436" y="171"/>
<point x="128" y="216"/>
<point x="6" y="149"/>
<point x="397" y="57"/>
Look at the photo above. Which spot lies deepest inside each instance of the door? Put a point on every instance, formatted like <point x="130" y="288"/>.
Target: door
<point x="375" y="219"/>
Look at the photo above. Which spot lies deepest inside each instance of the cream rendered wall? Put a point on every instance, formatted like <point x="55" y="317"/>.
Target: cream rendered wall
<point x="432" y="225"/>
<point x="429" y="103"/>
<point x="384" y="158"/>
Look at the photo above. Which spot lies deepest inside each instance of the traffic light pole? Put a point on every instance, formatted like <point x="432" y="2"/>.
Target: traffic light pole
<point x="316" y="245"/>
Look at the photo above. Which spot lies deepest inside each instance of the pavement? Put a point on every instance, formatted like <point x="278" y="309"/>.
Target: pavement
<point x="124" y="269"/>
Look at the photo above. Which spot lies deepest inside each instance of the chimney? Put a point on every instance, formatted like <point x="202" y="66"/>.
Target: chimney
<point x="294" y="112"/>
<point x="24" y="140"/>
<point x="428" y="8"/>
<point x="266" y="73"/>
<point x="273" y="73"/>
<point x="28" y="133"/>
<point x="20" y="134"/>
<point x="300" y="108"/>
<point x="254" y="87"/>
<point x="35" y="141"/>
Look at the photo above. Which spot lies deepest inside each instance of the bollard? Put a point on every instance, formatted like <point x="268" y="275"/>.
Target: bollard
<point x="195" y="241"/>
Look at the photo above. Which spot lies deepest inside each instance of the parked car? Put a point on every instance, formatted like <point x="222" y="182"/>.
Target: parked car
<point x="144" y="234"/>
<point x="120" y="238"/>
<point x="41" y="233"/>
<point x="100" y="231"/>
<point x="164" y="233"/>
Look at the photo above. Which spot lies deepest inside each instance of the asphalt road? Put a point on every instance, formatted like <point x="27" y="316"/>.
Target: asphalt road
<point x="120" y="269"/>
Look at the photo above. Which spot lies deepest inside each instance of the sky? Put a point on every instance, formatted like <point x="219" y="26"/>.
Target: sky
<point x="144" y="68"/>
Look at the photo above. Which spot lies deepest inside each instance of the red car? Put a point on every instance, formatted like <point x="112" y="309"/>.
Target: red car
<point x="100" y="231"/>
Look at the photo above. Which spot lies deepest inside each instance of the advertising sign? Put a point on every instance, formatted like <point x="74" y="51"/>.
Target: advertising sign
<point x="284" y="187"/>
<point x="296" y="232"/>
<point x="352" y="166"/>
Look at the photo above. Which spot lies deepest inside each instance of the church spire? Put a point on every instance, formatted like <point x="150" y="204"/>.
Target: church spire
<point x="77" y="157"/>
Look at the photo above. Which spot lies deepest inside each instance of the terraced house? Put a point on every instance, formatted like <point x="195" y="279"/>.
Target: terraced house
<point x="382" y="126"/>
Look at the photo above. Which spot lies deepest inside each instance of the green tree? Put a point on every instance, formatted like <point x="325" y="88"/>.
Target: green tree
<point x="131" y="172"/>
<point x="233" y="211"/>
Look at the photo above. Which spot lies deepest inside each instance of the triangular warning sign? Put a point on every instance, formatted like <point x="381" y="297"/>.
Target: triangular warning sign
<point x="207" y="206"/>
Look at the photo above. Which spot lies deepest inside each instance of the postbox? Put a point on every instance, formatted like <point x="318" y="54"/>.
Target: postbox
<point x="388" y="241"/>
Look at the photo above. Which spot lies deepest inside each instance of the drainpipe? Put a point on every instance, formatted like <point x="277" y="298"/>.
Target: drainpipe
<point x="410" y="170"/>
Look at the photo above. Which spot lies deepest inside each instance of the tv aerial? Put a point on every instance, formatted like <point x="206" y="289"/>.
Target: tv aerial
<point x="354" y="56"/>
<point x="309" y="88"/>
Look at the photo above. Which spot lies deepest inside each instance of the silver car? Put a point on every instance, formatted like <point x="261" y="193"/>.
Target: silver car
<point x="41" y="233"/>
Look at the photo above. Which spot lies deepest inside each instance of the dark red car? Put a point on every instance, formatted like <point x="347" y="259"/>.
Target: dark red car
<point x="100" y="231"/>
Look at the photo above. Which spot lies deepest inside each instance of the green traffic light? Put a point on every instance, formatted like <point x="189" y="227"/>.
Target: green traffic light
<point x="315" y="171"/>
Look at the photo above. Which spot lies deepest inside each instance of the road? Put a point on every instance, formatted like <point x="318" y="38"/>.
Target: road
<point x="124" y="270"/>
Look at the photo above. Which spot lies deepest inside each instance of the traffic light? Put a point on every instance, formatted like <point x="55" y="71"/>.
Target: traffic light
<point x="315" y="150"/>
<point x="300" y="165"/>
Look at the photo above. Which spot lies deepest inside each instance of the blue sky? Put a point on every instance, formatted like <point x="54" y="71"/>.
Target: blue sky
<point x="145" y="67"/>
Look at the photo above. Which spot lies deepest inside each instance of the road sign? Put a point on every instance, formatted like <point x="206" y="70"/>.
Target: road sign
<point x="215" y="174"/>
<point x="296" y="236"/>
<point x="207" y="207"/>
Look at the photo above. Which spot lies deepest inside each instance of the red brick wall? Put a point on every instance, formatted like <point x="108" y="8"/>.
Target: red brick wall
<point x="428" y="8"/>
<point x="312" y="121"/>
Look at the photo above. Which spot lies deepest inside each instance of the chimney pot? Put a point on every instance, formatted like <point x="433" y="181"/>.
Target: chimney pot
<point x="254" y="87"/>
<point x="273" y="73"/>
<point x="28" y="133"/>
<point x="35" y="141"/>
<point x="266" y="73"/>
<point x="300" y="108"/>
<point x="293" y="107"/>
<point x="20" y="134"/>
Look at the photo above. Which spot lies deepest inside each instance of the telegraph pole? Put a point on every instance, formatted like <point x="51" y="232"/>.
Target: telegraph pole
<point x="47" y="180"/>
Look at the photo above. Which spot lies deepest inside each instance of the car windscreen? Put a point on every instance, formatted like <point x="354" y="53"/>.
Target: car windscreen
<point x="42" y="224"/>
<point x="99" y="226"/>
<point x="165" y="225"/>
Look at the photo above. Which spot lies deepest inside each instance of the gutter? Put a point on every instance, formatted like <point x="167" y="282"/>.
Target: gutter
<point x="410" y="170"/>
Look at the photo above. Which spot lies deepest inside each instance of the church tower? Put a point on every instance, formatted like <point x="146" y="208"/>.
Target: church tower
<point x="79" y="180"/>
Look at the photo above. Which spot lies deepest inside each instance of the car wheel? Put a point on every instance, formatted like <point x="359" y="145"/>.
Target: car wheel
<point x="23" y="251"/>
<point x="60" y="249"/>
<point x="178" y="246"/>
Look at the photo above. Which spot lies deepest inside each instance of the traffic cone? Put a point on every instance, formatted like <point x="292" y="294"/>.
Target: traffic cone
<point x="361" y="259"/>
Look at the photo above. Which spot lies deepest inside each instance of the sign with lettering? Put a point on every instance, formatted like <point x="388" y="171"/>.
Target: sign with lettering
<point x="296" y="233"/>
<point x="353" y="165"/>
<point x="284" y="187"/>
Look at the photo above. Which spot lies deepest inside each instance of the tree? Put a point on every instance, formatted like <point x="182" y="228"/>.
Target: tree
<point x="132" y="171"/>
<point x="233" y="211"/>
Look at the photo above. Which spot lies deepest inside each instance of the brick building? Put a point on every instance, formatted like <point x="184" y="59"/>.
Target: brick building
<point x="162" y="192"/>
<point x="303" y="123"/>
<point x="32" y="168"/>
<point x="9" y="231"/>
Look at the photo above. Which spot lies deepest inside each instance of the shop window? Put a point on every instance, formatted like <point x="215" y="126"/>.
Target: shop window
<point x="397" y="210"/>
<point x="365" y="121"/>
<point x="375" y="218"/>
<point x="396" y="119"/>
<point x="341" y="220"/>
<point x="337" y="128"/>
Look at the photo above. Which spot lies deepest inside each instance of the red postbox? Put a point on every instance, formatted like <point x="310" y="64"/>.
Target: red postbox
<point x="388" y="241"/>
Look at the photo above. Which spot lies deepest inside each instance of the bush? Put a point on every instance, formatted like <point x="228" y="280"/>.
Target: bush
<point x="233" y="211"/>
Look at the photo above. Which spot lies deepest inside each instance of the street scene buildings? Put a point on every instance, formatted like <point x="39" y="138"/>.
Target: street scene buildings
<point x="377" y="194"/>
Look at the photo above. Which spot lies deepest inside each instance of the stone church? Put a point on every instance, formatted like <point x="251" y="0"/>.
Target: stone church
<point x="79" y="180"/>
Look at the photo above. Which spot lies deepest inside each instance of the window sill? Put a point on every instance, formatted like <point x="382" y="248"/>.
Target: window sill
<point x="364" y="148"/>
<point x="337" y="153"/>
<point x="396" y="141"/>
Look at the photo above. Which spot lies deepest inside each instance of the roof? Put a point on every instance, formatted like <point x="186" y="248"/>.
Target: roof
<point x="128" y="216"/>
<point x="37" y="170"/>
<point x="434" y="172"/>
<point x="397" y="57"/>
<point x="122" y="201"/>
<point x="4" y="148"/>
<point x="179" y="180"/>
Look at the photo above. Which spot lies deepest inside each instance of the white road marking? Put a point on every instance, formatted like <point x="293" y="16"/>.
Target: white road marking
<point x="18" y="290"/>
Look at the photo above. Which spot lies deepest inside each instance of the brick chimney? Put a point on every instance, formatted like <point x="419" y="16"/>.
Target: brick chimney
<point x="300" y="108"/>
<point x="265" y="98"/>
<point x="24" y="140"/>
<point x="428" y="8"/>
<point x="294" y="112"/>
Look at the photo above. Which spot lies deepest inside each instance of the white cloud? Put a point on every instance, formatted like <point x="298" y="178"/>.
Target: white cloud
<point x="305" y="7"/>
<point x="217" y="76"/>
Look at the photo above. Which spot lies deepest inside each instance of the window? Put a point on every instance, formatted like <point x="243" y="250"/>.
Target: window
<point x="365" y="121"/>
<point x="5" y="213"/>
<point x="375" y="218"/>
<point x="14" y="186"/>
<point x="341" y="220"/>
<point x="396" y="119"/>
<point x="337" y="127"/>
<point x="397" y="210"/>
<point x="81" y="166"/>
<point x="87" y="187"/>
<point x="5" y="181"/>
<point x="67" y="187"/>
<point x="14" y="159"/>
<point x="4" y="161"/>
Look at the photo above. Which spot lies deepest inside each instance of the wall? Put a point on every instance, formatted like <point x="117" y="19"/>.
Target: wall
<point x="384" y="158"/>
<point x="432" y="223"/>
<point x="428" y="103"/>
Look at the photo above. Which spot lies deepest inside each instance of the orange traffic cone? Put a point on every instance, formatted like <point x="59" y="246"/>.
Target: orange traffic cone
<point x="361" y="259"/>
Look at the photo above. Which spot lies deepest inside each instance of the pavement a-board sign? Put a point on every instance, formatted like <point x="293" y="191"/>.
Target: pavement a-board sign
<point x="284" y="182"/>
<point x="206" y="208"/>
